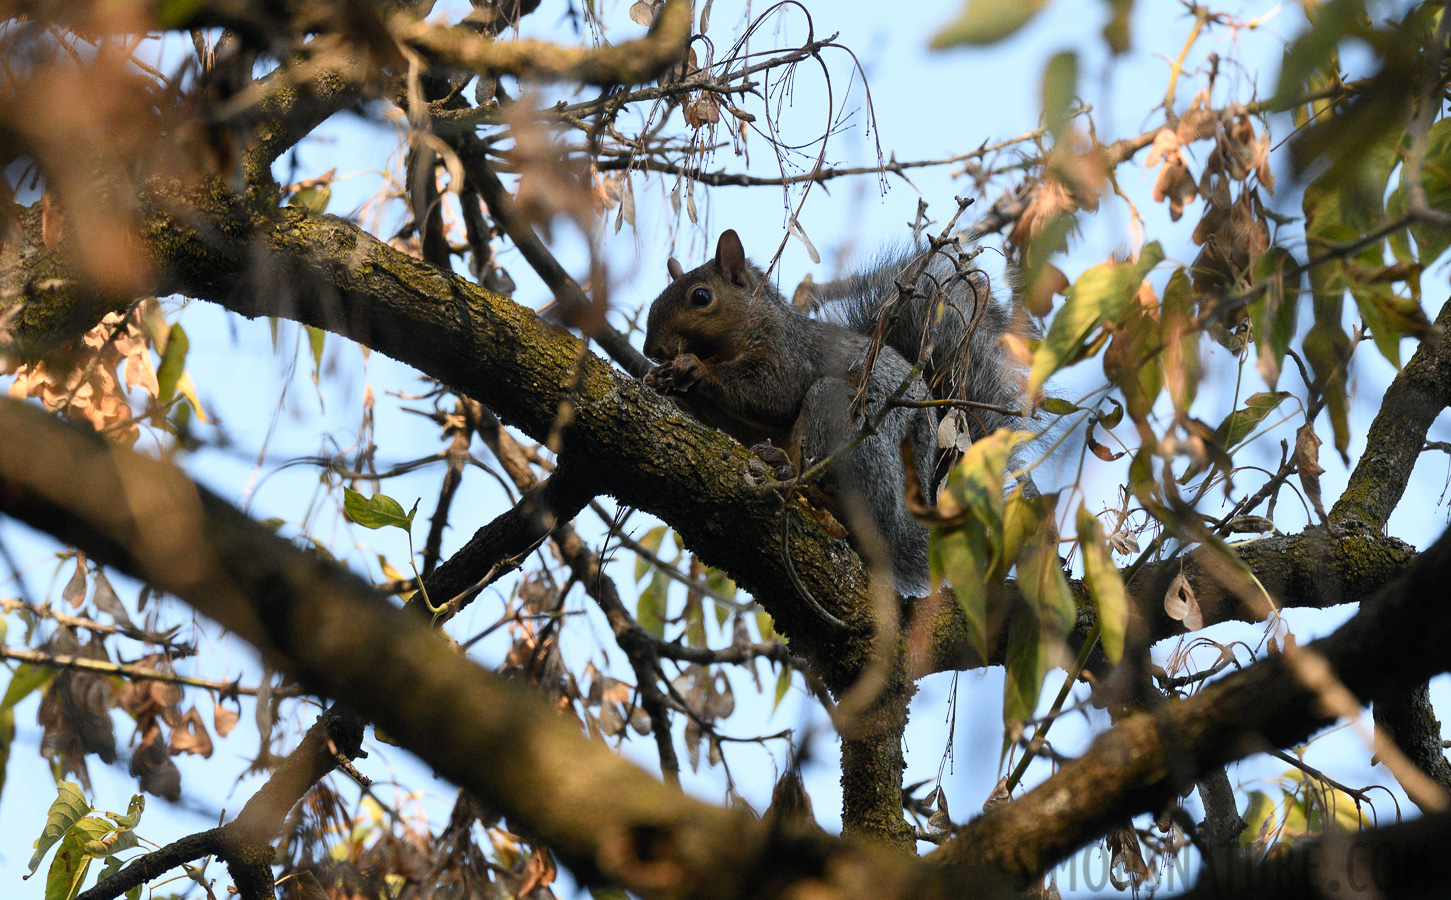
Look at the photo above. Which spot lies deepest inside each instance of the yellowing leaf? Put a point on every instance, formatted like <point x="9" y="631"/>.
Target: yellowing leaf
<point x="1026" y="666"/>
<point x="188" y="390"/>
<point x="1098" y="296"/>
<point x="68" y="808"/>
<point x="173" y="363"/>
<point x="1239" y="424"/>
<point x="987" y="22"/>
<point x="958" y="557"/>
<point x="1104" y="585"/>
<point x="1060" y="80"/>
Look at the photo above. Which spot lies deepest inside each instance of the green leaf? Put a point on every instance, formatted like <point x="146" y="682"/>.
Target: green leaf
<point x="173" y="14"/>
<point x="1272" y="315"/>
<point x="111" y="843"/>
<point x="957" y="557"/>
<point x="1327" y="350"/>
<point x="27" y="678"/>
<point x="1134" y="362"/>
<point x="1181" y="365"/>
<point x="783" y="684"/>
<point x="1431" y="240"/>
<point x="1104" y="585"/>
<point x="314" y="198"/>
<point x="68" y="808"/>
<point x="1043" y="584"/>
<point x="316" y="338"/>
<point x="764" y="626"/>
<point x="1260" y="808"/>
<point x="1116" y="29"/>
<point x="976" y="482"/>
<point x="1057" y="406"/>
<point x="113" y="865"/>
<point x="1344" y="202"/>
<point x="7" y="739"/>
<point x="133" y="813"/>
<point x="173" y="363"/>
<point x="1316" y="47"/>
<point x="379" y="511"/>
<point x="722" y="584"/>
<point x="650" y="609"/>
<point x="1060" y="82"/>
<point x="694" y="622"/>
<point x="987" y="22"/>
<point x="68" y="869"/>
<point x="651" y="541"/>
<point x="1239" y="424"/>
<point x="1026" y="666"/>
<point x="1099" y="295"/>
<point x="81" y="844"/>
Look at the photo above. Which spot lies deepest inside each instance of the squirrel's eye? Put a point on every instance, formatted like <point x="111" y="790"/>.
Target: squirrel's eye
<point x="700" y="297"/>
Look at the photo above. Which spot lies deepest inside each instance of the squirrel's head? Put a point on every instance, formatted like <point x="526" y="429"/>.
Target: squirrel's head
<point x="704" y="311"/>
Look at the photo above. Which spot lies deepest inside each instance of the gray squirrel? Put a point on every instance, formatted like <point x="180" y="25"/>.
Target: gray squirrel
<point x="733" y="352"/>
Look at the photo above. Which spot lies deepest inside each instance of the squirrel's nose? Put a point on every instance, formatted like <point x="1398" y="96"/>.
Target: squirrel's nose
<point x="659" y="352"/>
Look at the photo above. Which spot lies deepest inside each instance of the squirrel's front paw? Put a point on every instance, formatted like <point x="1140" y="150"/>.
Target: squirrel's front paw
<point x="776" y="459"/>
<point x="676" y="376"/>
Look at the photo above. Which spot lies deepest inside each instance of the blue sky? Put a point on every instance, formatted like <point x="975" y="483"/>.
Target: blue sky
<point x="925" y="105"/>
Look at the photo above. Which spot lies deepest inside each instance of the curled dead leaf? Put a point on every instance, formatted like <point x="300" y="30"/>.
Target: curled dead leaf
<point x="1181" y="604"/>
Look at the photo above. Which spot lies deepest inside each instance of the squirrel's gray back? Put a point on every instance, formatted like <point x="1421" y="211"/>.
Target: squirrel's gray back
<point x="968" y="361"/>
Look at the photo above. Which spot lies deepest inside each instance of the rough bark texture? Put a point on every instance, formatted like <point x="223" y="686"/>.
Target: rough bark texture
<point x="606" y="818"/>
<point x="326" y="272"/>
<point x="1399" y="638"/>
<point x="1409" y="719"/>
<point x="1415" y="397"/>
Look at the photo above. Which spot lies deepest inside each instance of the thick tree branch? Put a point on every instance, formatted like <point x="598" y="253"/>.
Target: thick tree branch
<point x="1397" y="861"/>
<point x="1312" y="569"/>
<point x="326" y="272"/>
<point x="1416" y="396"/>
<point x="632" y="62"/>
<point x="1410" y="721"/>
<point x="1400" y="637"/>
<point x="605" y="818"/>
<point x="245" y="843"/>
<point x="634" y="444"/>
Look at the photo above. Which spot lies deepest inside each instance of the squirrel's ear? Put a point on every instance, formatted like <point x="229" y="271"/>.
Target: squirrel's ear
<point x="730" y="256"/>
<point x="675" y="269"/>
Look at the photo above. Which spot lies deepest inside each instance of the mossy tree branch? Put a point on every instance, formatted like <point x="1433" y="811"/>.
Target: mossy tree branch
<point x="608" y="820"/>
<point x="1416" y="396"/>
<point x="1398" y="638"/>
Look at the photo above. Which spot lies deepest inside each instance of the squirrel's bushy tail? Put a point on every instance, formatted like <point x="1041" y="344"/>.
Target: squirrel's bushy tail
<point x="950" y="307"/>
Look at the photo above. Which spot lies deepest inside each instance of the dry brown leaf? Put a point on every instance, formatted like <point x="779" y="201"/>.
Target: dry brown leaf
<point x="74" y="592"/>
<point x="1307" y="465"/>
<point x="642" y="12"/>
<point x="75" y="711"/>
<point x="190" y="735"/>
<point x="702" y="111"/>
<point x="1181" y="604"/>
<point x="1176" y="184"/>
<point x="539" y="872"/>
<point x="151" y="765"/>
<point x="224" y="719"/>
